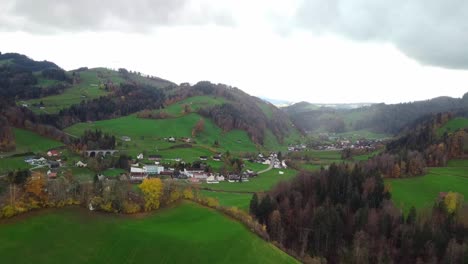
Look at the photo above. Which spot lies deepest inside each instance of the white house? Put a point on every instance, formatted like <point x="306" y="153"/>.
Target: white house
<point x="220" y="178"/>
<point x="153" y="170"/>
<point x="212" y="179"/>
<point x="267" y="162"/>
<point x="81" y="164"/>
<point x="140" y="156"/>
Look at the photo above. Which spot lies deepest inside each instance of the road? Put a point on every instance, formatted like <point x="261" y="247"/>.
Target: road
<point x="267" y="169"/>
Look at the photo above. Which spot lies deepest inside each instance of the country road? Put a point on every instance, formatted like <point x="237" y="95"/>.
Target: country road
<point x="267" y="169"/>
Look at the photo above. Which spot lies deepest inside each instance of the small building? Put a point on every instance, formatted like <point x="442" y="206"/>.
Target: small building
<point x="52" y="174"/>
<point x="53" y="153"/>
<point x="126" y="139"/>
<point x="203" y="158"/>
<point x="212" y="179"/>
<point x="153" y="170"/>
<point x="138" y="174"/>
<point x="217" y="157"/>
<point x="140" y="156"/>
<point x="81" y="164"/>
<point x="171" y="139"/>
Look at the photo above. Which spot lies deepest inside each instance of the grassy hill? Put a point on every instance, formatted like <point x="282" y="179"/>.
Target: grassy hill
<point x="88" y="87"/>
<point x="27" y="141"/>
<point x="453" y="125"/>
<point x="187" y="233"/>
<point x="421" y="192"/>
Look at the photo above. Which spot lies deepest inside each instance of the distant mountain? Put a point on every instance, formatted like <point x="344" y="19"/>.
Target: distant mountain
<point x="375" y="117"/>
<point x="277" y="102"/>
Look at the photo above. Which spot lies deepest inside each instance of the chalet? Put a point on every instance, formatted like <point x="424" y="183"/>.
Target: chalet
<point x="138" y="174"/>
<point x="217" y="157"/>
<point x="153" y="170"/>
<point x="52" y="174"/>
<point x="154" y="157"/>
<point x="203" y="158"/>
<point x="80" y="164"/>
<point x="126" y="139"/>
<point x="212" y="179"/>
<point x="140" y="156"/>
<point x="53" y="153"/>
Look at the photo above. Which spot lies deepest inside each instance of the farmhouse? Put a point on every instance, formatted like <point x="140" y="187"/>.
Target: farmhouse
<point x="80" y="164"/>
<point x="153" y="170"/>
<point x="52" y="174"/>
<point x="53" y="153"/>
<point x="212" y="179"/>
<point x="138" y="174"/>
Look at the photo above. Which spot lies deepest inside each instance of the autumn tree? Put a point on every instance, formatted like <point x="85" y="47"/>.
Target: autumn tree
<point x="152" y="190"/>
<point x="199" y="127"/>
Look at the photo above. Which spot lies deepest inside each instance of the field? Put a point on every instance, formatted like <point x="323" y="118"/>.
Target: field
<point x="359" y="134"/>
<point x="149" y="134"/>
<point x="453" y="125"/>
<point x="87" y="89"/>
<point x="12" y="163"/>
<point x="422" y="191"/>
<point x="195" y="104"/>
<point x="187" y="233"/>
<point x="262" y="182"/>
<point x="239" y="200"/>
<point x="27" y="141"/>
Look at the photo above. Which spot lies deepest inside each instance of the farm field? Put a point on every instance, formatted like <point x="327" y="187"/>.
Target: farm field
<point x="453" y="125"/>
<point x="27" y="141"/>
<point x="12" y="163"/>
<point x="422" y="191"/>
<point x="262" y="182"/>
<point x="187" y="233"/>
<point x="239" y="200"/>
<point x="87" y="89"/>
<point x="149" y="134"/>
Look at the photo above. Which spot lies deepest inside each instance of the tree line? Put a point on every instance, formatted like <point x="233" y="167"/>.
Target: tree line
<point x="345" y="215"/>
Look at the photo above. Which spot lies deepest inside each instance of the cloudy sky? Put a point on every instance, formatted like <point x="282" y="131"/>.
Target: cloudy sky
<point x="324" y="51"/>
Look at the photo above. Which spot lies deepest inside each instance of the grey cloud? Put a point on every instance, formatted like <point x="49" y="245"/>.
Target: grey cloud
<point x="91" y="15"/>
<point x="434" y="32"/>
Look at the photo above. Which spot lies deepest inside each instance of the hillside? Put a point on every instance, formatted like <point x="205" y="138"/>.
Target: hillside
<point x="185" y="234"/>
<point x="382" y="118"/>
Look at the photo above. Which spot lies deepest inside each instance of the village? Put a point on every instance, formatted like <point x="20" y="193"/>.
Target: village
<point x="154" y="166"/>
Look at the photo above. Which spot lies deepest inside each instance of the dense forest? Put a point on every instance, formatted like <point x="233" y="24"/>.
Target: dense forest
<point x="345" y="215"/>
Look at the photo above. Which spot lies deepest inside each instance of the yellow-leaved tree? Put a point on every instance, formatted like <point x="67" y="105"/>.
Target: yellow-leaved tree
<point x="152" y="190"/>
<point x="453" y="201"/>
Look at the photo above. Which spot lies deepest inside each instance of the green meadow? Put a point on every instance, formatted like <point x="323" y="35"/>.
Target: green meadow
<point x="422" y="191"/>
<point x="149" y="134"/>
<point x="453" y="125"/>
<point x="187" y="233"/>
<point x="27" y="141"/>
<point x="12" y="163"/>
<point x="88" y="88"/>
<point x="239" y="200"/>
<point x="261" y="183"/>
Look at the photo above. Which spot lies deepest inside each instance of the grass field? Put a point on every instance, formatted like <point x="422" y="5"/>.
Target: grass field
<point x="422" y="191"/>
<point x="195" y="104"/>
<point x="262" y="182"/>
<point x="87" y="89"/>
<point x="148" y="134"/>
<point x="359" y="134"/>
<point x="239" y="200"/>
<point x="27" y="141"/>
<point x="187" y="233"/>
<point x="453" y="125"/>
<point x="12" y="163"/>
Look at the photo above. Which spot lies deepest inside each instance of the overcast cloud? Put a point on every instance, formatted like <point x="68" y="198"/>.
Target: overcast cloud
<point x="319" y="50"/>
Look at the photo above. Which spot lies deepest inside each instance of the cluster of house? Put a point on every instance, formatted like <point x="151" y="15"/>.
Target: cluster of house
<point x="271" y="160"/>
<point x="53" y="162"/>
<point x="298" y="147"/>
<point x="340" y="144"/>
